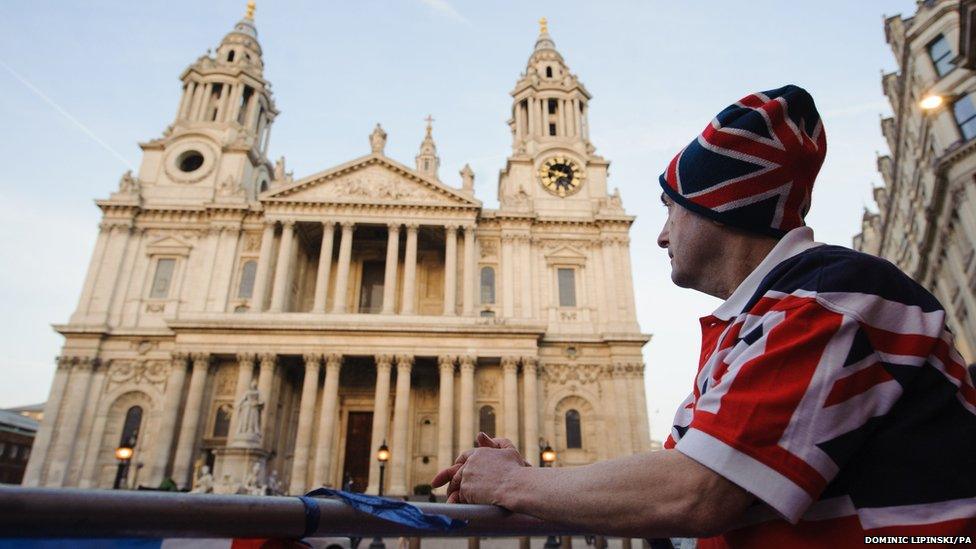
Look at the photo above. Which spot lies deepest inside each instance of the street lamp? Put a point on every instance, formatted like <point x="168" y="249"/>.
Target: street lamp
<point x="931" y="102"/>
<point x="124" y="454"/>
<point x="382" y="455"/>
<point x="548" y="458"/>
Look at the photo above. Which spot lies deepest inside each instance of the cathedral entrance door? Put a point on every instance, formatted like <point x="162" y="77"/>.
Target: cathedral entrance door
<point x="356" y="464"/>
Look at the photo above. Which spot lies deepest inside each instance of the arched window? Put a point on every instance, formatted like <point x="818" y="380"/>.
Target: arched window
<point x="487" y="285"/>
<point x="574" y="438"/>
<point x="248" y="271"/>
<point x="222" y="421"/>
<point x="263" y="186"/>
<point x="130" y="429"/>
<point x="548" y="72"/>
<point x="486" y="420"/>
<point x="230" y="56"/>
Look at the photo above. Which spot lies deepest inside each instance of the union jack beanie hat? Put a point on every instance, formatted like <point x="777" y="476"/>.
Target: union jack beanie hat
<point x="754" y="165"/>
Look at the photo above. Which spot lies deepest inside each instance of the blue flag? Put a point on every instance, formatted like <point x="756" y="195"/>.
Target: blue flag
<point x="393" y="510"/>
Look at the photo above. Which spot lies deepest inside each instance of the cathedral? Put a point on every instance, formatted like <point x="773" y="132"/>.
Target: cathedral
<point x="237" y="321"/>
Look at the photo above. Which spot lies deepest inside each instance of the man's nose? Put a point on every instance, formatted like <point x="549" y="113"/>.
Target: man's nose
<point x="663" y="239"/>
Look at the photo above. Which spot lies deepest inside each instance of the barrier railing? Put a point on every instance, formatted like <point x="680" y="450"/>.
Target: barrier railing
<point x="75" y="513"/>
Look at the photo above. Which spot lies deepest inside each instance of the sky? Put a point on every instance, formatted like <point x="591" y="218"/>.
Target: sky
<point x="82" y="83"/>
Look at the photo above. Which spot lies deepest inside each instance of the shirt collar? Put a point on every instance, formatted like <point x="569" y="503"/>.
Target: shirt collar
<point x="792" y="243"/>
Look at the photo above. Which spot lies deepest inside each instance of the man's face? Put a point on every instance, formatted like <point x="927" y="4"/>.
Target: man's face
<point x="692" y="242"/>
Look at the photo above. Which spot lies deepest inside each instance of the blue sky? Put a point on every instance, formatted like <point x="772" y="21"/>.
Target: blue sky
<point x="81" y="83"/>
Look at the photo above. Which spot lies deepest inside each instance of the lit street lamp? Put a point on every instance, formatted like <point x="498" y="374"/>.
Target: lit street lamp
<point x="931" y="102"/>
<point x="124" y="454"/>
<point x="382" y="455"/>
<point x="548" y="458"/>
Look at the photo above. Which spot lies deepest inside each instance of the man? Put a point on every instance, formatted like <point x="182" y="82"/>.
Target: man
<point x="829" y="404"/>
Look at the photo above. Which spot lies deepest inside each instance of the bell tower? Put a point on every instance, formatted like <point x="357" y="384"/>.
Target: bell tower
<point x="552" y="168"/>
<point x="216" y="148"/>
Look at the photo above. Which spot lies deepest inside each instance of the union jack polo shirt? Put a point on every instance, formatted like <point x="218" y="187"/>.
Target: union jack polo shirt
<point x="829" y="387"/>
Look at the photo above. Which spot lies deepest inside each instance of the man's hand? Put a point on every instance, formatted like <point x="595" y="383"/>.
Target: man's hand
<point x="453" y="473"/>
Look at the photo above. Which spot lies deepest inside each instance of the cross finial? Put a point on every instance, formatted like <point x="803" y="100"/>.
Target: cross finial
<point x="430" y="121"/>
<point x="543" y="26"/>
<point x="250" y="10"/>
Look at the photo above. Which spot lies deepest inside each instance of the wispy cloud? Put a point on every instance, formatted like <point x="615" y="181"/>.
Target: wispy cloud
<point x="445" y="8"/>
<point x="66" y="114"/>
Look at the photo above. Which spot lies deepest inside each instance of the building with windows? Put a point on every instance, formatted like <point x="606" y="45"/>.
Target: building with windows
<point x="265" y="325"/>
<point x="16" y="438"/>
<point x="926" y="219"/>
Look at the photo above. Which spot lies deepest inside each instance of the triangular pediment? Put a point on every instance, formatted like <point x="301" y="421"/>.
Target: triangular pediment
<point x="565" y="254"/>
<point x="373" y="179"/>
<point x="168" y="245"/>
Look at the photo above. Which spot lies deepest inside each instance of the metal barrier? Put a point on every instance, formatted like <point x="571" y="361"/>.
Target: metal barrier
<point x="76" y="513"/>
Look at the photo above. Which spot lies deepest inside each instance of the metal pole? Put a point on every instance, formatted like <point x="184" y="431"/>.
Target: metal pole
<point x="378" y="541"/>
<point x="76" y="513"/>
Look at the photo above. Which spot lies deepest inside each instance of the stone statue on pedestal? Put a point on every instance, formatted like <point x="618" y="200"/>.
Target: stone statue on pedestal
<point x="249" y="410"/>
<point x="203" y="484"/>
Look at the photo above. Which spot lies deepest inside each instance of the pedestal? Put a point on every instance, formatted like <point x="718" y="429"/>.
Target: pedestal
<point x="232" y="464"/>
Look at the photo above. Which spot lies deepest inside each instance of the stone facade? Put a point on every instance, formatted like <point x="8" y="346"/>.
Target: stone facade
<point x="237" y="317"/>
<point x="926" y="220"/>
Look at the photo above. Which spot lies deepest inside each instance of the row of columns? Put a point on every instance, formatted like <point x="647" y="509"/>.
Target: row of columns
<point x="278" y="280"/>
<point x="534" y="118"/>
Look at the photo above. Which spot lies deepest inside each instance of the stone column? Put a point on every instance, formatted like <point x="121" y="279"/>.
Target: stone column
<point x="38" y="456"/>
<point x="468" y="272"/>
<point x="306" y="412"/>
<point x="325" y="265"/>
<point x="245" y="372"/>
<point x="167" y="425"/>
<point x="466" y="431"/>
<point x="508" y="277"/>
<point x="450" y="270"/>
<point x="342" y="277"/>
<point x="63" y="450"/>
<point x="327" y="420"/>
<point x="94" y="427"/>
<point x="409" y="270"/>
<point x="279" y="296"/>
<point x="445" y="415"/>
<point x="610" y="309"/>
<point x="265" y="386"/>
<point x="401" y="410"/>
<point x="510" y="398"/>
<point x="192" y="410"/>
<point x="530" y="407"/>
<point x="260" y="294"/>
<point x="381" y="418"/>
<point x="639" y="401"/>
<point x="390" y="275"/>
<point x="623" y="409"/>
<point x="526" y="279"/>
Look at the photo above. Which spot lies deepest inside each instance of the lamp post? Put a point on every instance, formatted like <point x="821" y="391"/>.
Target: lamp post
<point x="124" y="454"/>
<point x="382" y="455"/>
<point x="548" y="458"/>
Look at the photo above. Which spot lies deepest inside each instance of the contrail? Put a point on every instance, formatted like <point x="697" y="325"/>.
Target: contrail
<point x="67" y="115"/>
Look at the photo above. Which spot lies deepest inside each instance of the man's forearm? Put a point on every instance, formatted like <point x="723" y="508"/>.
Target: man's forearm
<point x="648" y="495"/>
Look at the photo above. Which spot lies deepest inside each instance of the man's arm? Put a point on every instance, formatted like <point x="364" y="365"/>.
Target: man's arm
<point x="655" y="494"/>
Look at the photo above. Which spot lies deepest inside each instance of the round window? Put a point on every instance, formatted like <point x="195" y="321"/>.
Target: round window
<point x="190" y="161"/>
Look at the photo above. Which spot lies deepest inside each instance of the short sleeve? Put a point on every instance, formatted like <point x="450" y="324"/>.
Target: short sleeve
<point x="778" y="395"/>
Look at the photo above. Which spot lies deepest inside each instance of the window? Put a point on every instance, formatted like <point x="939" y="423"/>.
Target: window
<point x="567" y="287"/>
<point x="248" y="271"/>
<point x="548" y="72"/>
<point x="130" y="429"/>
<point x="552" y="106"/>
<point x="162" y="278"/>
<point x="965" y="114"/>
<point x="552" y="129"/>
<point x="941" y="55"/>
<point x="215" y="100"/>
<point x="487" y="285"/>
<point x="371" y="293"/>
<point x="222" y="421"/>
<point x="230" y="56"/>
<point x="574" y="437"/>
<point x="486" y="420"/>
<point x="245" y="99"/>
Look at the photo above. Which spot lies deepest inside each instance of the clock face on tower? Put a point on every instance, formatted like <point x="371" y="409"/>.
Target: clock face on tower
<point x="561" y="176"/>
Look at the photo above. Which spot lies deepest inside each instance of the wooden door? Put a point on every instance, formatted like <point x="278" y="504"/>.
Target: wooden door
<point x="359" y="430"/>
